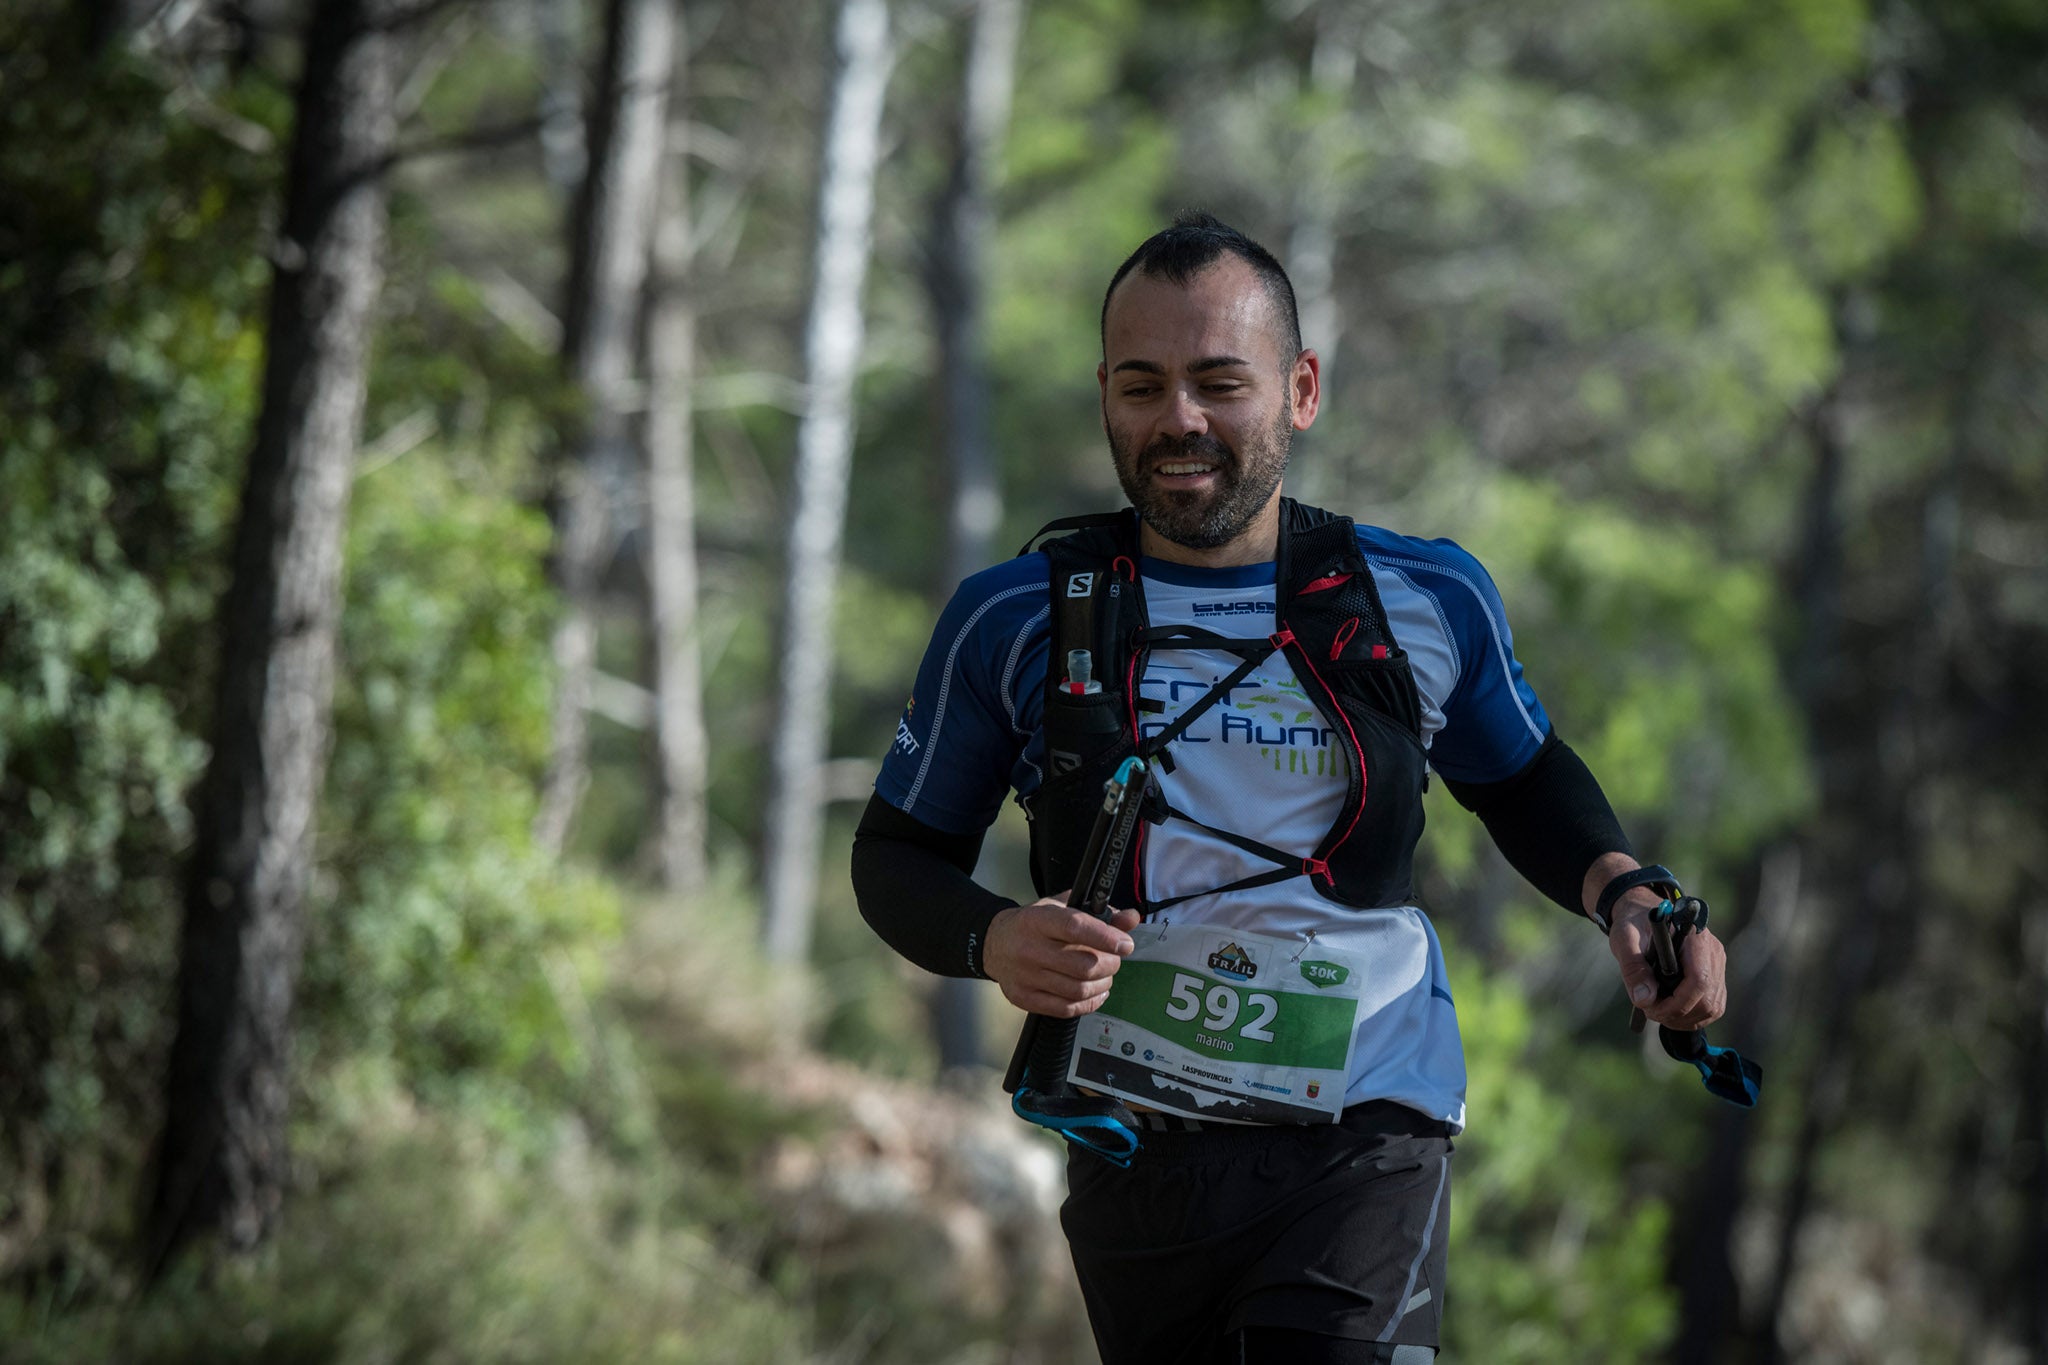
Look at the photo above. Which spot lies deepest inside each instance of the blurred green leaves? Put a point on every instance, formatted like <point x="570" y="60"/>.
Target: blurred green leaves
<point x="1556" y="1253"/>
<point x="441" y="938"/>
<point x="1655" y="654"/>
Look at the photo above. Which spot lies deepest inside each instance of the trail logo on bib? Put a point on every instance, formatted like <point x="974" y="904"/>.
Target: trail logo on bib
<point x="1315" y="1088"/>
<point x="1233" y="962"/>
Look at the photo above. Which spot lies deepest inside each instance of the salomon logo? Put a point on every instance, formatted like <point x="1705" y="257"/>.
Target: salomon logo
<point x="1080" y="585"/>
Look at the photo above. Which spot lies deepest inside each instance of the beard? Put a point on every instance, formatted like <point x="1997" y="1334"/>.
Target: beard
<point x="1204" y="519"/>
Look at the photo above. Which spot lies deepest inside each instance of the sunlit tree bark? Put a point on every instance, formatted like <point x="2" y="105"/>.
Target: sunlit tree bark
<point x="817" y="519"/>
<point x="221" y="1165"/>
<point x="681" y="749"/>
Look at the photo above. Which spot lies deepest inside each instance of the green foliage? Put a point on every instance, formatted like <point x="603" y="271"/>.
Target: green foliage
<point x="128" y="311"/>
<point x="1556" y="1254"/>
<point x="420" y="1243"/>
<point x="1604" y="274"/>
<point x="441" y="937"/>
<point x="1656" y="658"/>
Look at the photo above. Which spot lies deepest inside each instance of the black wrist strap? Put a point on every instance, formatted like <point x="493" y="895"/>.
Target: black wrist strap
<point x="1656" y="877"/>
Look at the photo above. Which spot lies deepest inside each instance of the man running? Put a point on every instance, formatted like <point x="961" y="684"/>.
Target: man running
<point x="1286" y="673"/>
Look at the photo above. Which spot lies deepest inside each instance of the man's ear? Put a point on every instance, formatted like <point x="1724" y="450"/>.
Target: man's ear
<point x="1305" y="389"/>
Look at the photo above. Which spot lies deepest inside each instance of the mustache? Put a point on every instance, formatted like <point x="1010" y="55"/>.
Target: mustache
<point x="1194" y="445"/>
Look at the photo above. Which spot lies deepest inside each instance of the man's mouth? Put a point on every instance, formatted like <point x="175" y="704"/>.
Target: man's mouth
<point x="1185" y="473"/>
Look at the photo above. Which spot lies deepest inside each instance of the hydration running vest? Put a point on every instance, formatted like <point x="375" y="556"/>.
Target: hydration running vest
<point x="1329" y="624"/>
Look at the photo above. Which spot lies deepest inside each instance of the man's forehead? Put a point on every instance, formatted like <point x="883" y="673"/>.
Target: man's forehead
<point x="1224" y="307"/>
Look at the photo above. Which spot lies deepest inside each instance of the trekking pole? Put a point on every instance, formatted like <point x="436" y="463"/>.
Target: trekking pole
<point x="1037" y="1075"/>
<point x="1726" y="1073"/>
<point x="1689" y="912"/>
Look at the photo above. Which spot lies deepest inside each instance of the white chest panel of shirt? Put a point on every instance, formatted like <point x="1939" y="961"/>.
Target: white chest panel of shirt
<point x="1265" y="763"/>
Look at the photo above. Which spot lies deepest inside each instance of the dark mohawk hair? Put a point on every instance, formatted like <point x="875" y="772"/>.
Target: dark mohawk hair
<point x="1196" y="241"/>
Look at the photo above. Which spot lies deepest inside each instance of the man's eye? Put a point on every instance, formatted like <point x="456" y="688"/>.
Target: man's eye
<point x="1223" y="386"/>
<point x="1141" y="391"/>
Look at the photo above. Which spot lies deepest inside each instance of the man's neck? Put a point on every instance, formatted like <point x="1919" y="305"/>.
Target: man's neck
<point x="1258" y="543"/>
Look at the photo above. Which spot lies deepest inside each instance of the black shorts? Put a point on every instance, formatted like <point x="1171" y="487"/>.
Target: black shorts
<point x="1338" y="1229"/>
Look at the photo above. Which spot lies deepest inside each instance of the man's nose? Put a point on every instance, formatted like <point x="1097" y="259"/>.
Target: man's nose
<point x="1185" y="415"/>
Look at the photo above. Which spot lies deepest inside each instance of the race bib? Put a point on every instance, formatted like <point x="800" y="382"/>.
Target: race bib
<point x="1219" y="1024"/>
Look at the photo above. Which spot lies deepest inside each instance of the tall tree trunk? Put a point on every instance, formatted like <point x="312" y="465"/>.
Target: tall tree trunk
<point x="611" y="230"/>
<point x="681" y="749"/>
<point x="1319" y="194"/>
<point x="1879" y="766"/>
<point x="963" y="224"/>
<point x="817" y="523"/>
<point x="1832" y="980"/>
<point x="1703" y="1237"/>
<point x="222" y="1163"/>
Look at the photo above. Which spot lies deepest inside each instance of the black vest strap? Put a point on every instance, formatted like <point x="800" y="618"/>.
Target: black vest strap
<point x="1286" y="865"/>
<point x="1200" y="637"/>
<point x="1083" y="522"/>
<point x="1278" y="874"/>
<point x="1251" y="652"/>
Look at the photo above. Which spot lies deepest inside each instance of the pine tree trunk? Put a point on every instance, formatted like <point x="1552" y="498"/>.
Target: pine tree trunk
<point x="963" y="223"/>
<point x="681" y="749"/>
<point x="222" y="1163"/>
<point x="610" y="234"/>
<point x="817" y="523"/>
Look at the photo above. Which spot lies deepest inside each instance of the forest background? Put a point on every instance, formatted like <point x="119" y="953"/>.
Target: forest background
<point x="472" y="363"/>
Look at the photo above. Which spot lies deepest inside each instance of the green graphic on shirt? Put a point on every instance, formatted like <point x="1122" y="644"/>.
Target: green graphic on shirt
<point x="1281" y="694"/>
<point x="1281" y="720"/>
<point x="1329" y="762"/>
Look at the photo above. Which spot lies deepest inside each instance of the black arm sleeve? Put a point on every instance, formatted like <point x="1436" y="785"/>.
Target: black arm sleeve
<point x="916" y="889"/>
<point x="1550" y="820"/>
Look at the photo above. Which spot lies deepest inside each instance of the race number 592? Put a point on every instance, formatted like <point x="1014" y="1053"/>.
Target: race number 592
<point x="1220" y="1007"/>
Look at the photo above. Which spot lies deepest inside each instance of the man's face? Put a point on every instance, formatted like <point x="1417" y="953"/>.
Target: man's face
<point x="1199" y="402"/>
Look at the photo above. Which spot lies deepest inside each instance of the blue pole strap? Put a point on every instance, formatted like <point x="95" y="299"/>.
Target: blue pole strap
<point x="1726" y="1073"/>
<point x="1095" y="1123"/>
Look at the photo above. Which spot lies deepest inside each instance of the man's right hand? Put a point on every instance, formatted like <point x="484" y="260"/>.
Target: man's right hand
<point x="1056" y="961"/>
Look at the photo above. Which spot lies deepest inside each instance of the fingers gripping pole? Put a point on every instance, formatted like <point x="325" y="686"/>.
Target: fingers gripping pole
<point x="1037" y="1076"/>
<point x="1726" y="1073"/>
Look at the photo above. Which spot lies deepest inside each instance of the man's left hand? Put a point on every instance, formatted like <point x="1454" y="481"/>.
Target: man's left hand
<point x="1698" y="999"/>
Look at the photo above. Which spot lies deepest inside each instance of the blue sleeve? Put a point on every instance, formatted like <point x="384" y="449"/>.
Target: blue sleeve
<point x="974" y="707"/>
<point x="1493" y="724"/>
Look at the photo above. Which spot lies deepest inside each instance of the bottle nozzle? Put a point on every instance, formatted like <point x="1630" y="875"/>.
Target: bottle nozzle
<point x="1081" y="673"/>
